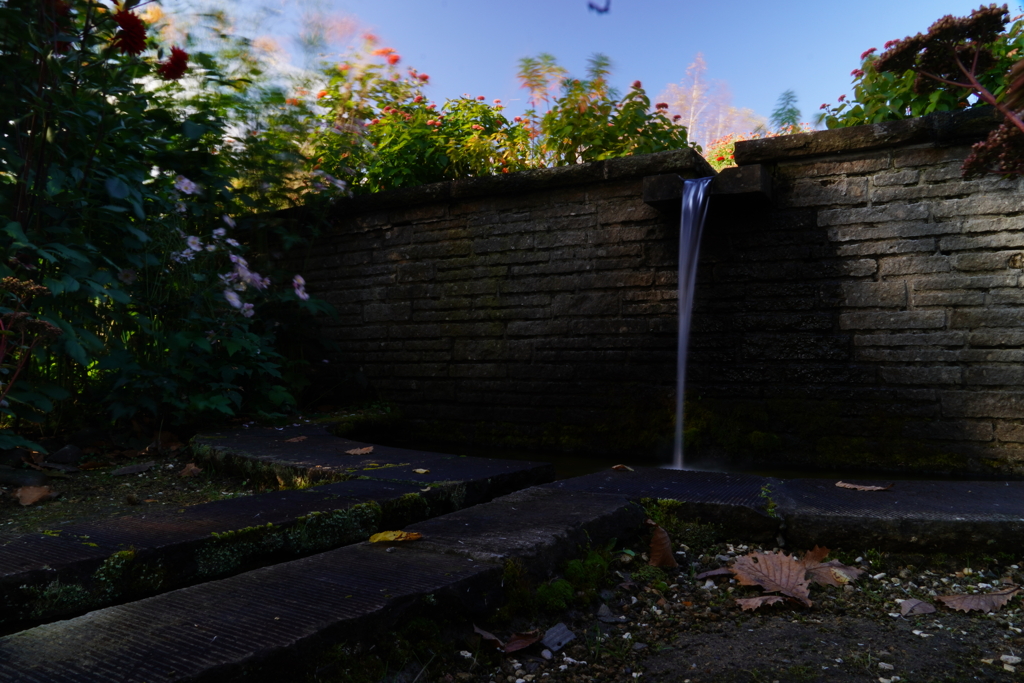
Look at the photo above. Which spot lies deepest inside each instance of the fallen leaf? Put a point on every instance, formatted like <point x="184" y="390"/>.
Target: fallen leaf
<point x="133" y="469"/>
<point x="93" y="465"/>
<point x="913" y="606"/>
<point x="489" y="637"/>
<point x="190" y="470"/>
<point x="623" y="468"/>
<point x="761" y="600"/>
<point x="360" y="451"/>
<point x="394" y="536"/>
<point x="296" y="439"/>
<point x="518" y="641"/>
<point x="721" y="571"/>
<point x="28" y="495"/>
<point x="985" y="602"/>
<point x="831" y="573"/>
<point x="661" y="549"/>
<point x="862" y="487"/>
<point x="775" y="573"/>
<point x="151" y="500"/>
<point x="422" y="471"/>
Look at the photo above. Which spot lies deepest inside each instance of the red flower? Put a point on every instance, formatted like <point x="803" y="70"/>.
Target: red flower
<point x="393" y="59"/>
<point x="720" y="159"/>
<point x="842" y="98"/>
<point x="424" y="77"/>
<point x="857" y="73"/>
<point x="866" y="53"/>
<point x="637" y="85"/>
<point x="480" y="97"/>
<point x="175" y="67"/>
<point x="292" y="101"/>
<point x="890" y="43"/>
<point x="824" y="106"/>
<point x="131" y="38"/>
<point x="322" y="93"/>
<point x="661" y="105"/>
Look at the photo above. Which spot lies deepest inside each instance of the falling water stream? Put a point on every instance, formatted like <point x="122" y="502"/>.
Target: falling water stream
<point x="691" y="225"/>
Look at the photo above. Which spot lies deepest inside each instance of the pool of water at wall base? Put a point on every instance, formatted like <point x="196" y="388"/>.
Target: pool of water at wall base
<point x="579" y="463"/>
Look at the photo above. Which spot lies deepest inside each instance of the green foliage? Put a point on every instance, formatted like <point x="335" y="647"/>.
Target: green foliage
<point x="786" y="114"/>
<point x="375" y="130"/>
<point x="555" y="596"/>
<point x="894" y="94"/>
<point x="119" y="187"/>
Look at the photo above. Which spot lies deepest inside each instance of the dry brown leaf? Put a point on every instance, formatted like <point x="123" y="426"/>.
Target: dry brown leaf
<point x="489" y="638"/>
<point x="360" y="451"/>
<point x="862" y="487"/>
<point x="422" y="471"/>
<point x="722" y="571"/>
<point x="518" y="641"/>
<point x="775" y="573"/>
<point x="985" y="602"/>
<point x="395" y="536"/>
<point x="190" y="470"/>
<point x="831" y="573"/>
<point x="28" y="495"/>
<point x="661" y="549"/>
<point x="297" y="439"/>
<point x="913" y="606"/>
<point x="623" y="468"/>
<point x="759" y="601"/>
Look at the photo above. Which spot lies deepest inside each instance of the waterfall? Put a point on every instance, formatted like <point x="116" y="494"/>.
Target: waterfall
<point x="691" y="225"/>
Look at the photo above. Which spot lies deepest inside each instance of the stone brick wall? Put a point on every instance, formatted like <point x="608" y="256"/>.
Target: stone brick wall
<point x="536" y="309"/>
<point x="870" y="314"/>
<point x="873" y="316"/>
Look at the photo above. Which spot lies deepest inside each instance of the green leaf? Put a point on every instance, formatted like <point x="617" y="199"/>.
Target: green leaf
<point x="193" y="131"/>
<point x="117" y="188"/>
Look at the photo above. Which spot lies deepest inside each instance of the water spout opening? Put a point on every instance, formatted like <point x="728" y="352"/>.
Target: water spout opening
<point x="691" y="226"/>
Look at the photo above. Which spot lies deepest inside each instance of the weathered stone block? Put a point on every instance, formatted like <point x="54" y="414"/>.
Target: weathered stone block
<point x="855" y="166"/>
<point x="913" y="265"/>
<point x="994" y="375"/>
<point x="874" y="294"/>
<point x="1005" y="296"/>
<point x="950" y="430"/>
<point x="1004" y="404"/>
<point x="919" y="375"/>
<point x="1009" y="431"/>
<point x="994" y="204"/>
<point x="951" y="282"/>
<point x="989" y="317"/>
<point x="504" y="243"/>
<point x="884" y="247"/>
<point x="873" y="214"/>
<point x="907" y="177"/>
<point x="1002" y="240"/>
<point x="387" y="312"/>
<point x="900" y="320"/>
<point x="893" y="230"/>
<point x="911" y="339"/>
<point x="992" y="261"/>
<point x="948" y="298"/>
<point x="805" y="192"/>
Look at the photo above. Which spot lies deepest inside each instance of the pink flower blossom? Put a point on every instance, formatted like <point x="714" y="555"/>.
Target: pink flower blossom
<point x="637" y="85"/>
<point x="866" y="53"/>
<point x="856" y="73"/>
<point x="497" y="101"/>
<point x="824" y="106"/>
<point x="424" y="77"/>
<point x="842" y="98"/>
<point x="480" y="97"/>
<point x="477" y="127"/>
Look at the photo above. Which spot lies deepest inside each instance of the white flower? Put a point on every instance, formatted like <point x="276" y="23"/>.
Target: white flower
<point x="180" y="207"/>
<point x="220" y="232"/>
<point x="229" y="220"/>
<point x="232" y="298"/>
<point x="193" y="243"/>
<point x="298" y="281"/>
<point x="247" y="310"/>
<point x="211" y="247"/>
<point x="183" y="184"/>
<point x="231" y="242"/>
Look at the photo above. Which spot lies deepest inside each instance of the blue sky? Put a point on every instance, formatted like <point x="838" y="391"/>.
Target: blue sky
<point x="760" y="49"/>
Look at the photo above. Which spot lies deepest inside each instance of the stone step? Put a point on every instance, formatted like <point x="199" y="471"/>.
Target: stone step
<point x="911" y="516"/>
<point x="223" y="629"/>
<point x="79" y="567"/>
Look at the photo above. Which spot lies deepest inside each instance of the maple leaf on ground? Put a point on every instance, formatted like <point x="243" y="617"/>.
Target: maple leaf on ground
<point x="862" y="487"/>
<point x="28" y="495"/>
<point x="394" y="536"/>
<point x="489" y="637"/>
<point x="831" y="573"/>
<point x="297" y="439"/>
<point x="661" y="548"/>
<point x="913" y="606"/>
<point x="761" y="600"/>
<point x="360" y="451"/>
<point x="518" y="641"/>
<point x="775" y="573"/>
<point x="623" y="468"/>
<point x="190" y="470"/>
<point x="985" y="602"/>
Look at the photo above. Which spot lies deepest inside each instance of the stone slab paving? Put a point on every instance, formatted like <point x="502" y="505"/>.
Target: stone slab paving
<point x="213" y="631"/>
<point x="947" y="516"/>
<point x="84" y="566"/>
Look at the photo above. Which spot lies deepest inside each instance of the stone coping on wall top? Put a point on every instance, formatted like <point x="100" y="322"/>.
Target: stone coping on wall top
<point x="685" y="162"/>
<point x="940" y="128"/>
